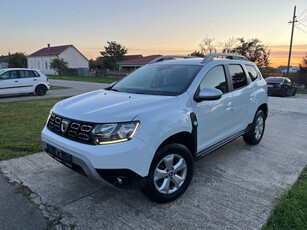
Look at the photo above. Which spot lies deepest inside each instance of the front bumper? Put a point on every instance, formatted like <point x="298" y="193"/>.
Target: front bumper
<point x="128" y="160"/>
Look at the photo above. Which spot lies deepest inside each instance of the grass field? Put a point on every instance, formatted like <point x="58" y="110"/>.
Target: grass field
<point x="87" y="79"/>
<point x="301" y="91"/>
<point x="291" y="209"/>
<point x="21" y="123"/>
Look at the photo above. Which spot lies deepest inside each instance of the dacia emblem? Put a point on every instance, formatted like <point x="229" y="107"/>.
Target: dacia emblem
<point x="64" y="125"/>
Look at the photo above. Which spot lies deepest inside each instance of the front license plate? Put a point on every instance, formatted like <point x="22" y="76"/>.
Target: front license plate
<point x="270" y="86"/>
<point x="59" y="155"/>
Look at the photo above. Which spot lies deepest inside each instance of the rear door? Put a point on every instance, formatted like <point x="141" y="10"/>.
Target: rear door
<point x="9" y="82"/>
<point x="242" y="96"/>
<point x="27" y="80"/>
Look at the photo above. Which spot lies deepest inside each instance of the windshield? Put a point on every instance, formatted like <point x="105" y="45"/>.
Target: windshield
<point x="1" y="71"/>
<point x="170" y="80"/>
<point x="274" y="79"/>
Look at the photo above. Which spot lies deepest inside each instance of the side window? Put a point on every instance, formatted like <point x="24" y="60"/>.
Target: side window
<point x="9" y="75"/>
<point x="251" y="72"/>
<point x="238" y="76"/>
<point x="215" y="78"/>
<point x="26" y="73"/>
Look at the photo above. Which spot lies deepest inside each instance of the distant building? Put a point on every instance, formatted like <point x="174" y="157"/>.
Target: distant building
<point x="99" y="60"/>
<point x="4" y="62"/>
<point x="41" y="59"/>
<point x="292" y="69"/>
<point x="133" y="64"/>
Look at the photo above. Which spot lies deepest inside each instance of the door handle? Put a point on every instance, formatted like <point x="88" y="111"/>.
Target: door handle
<point x="228" y="106"/>
<point x="16" y="81"/>
<point x="34" y="79"/>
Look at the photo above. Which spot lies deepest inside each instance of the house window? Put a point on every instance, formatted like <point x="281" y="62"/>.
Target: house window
<point x="38" y="66"/>
<point x="46" y="65"/>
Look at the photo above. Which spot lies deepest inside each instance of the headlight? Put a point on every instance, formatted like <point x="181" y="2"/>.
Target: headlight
<point x="49" y="116"/>
<point x="114" y="133"/>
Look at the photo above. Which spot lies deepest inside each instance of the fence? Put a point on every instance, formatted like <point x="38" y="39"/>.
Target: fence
<point x="299" y="78"/>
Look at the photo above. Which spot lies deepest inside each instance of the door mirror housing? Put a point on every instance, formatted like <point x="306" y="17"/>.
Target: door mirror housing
<point x="208" y="94"/>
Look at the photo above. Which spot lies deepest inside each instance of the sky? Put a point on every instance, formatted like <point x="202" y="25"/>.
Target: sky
<point x="151" y="27"/>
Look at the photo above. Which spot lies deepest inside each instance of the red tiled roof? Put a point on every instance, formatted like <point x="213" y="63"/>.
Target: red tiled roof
<point x="140" y="60"/>
<point x="52" y="51"/>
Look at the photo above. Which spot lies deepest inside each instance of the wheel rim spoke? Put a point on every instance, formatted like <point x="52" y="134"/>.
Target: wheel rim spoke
<point x="168" y="160"/>
<point x="180" y="165"/>
<point x="165" y="186"/>
<point x="177" y="180"/>
<point x="159" y="174"/>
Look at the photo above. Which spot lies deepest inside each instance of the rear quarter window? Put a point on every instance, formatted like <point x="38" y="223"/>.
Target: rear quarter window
<point x="252" y="72"/>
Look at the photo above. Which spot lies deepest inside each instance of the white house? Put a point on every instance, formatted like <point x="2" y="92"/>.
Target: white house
<point x="41" y="59"/>
<point x="292" y="69"/>
<point x="4" y="62"/>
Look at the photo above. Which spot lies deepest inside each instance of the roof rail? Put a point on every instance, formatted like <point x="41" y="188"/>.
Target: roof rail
<point x="161" y="58"/>
<point x="210" y="57"/>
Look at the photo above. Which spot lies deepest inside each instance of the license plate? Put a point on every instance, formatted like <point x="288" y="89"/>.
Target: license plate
<point x="59" y="155"/>
<point x="270" y="86"/>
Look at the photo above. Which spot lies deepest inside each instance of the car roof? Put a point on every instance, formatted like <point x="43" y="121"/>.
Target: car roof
<point x="7" y="69"/>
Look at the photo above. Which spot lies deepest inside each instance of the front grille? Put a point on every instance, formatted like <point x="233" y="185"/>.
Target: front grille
<point x="79" y="131"/>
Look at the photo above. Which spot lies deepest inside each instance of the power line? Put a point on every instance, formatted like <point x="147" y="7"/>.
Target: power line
<point x="302" y="32"/>
<point x="302" y="13"/>
<point x="301" y="24"/>
<point x="301" y="29"/>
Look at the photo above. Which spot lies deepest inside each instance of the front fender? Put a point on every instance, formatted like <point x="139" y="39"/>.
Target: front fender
<point x="157" y="126"/>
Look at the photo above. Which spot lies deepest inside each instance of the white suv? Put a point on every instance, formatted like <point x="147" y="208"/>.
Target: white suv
<point x="147" y="130"/>
<point x="20" y="80"/>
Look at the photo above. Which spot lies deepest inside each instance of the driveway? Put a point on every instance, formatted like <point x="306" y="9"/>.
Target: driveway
<point x="74" y="88"/>
<point x="234" y="187"/>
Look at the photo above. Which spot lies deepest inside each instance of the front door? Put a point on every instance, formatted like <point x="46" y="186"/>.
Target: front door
<point x="27" y="80"/>
<point x="9" y="83"/>
<point x="214" y="117"/>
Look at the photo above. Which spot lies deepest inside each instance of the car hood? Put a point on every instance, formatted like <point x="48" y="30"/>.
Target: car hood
<point x="105" y="106"/>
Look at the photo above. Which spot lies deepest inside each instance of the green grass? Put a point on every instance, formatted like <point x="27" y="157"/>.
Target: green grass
<point x="291" y="209"/>
<point x="87" y="79"/>
<point x="21" y="123"/>
<point x="301" y="91"/>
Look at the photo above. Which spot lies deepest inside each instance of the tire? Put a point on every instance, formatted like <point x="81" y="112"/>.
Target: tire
<point x="255" y="134"/>
<point x="40" y="90"/>
<point x="293" y="94"/>
<point x="162" y="166"/>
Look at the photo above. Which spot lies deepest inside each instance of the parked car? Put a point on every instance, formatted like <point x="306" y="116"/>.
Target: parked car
<point x="281" y="86"/>
<point x="147" y="130"/>
<point x="20" y="80"/>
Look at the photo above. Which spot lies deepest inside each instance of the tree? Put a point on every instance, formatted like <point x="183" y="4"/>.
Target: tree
<point x="113" y="53"/>
<point x="303" y="64"/>
<point x="59" y="65"/>
<point x="18" y="60"/>
<point x="92" y="64"/>
<point x="207" y="46"/>
<point x="197" y="54"/>
<point x="254" y="50"/>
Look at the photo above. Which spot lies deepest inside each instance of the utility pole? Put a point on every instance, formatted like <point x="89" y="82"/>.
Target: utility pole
<point x="290" y="49"/>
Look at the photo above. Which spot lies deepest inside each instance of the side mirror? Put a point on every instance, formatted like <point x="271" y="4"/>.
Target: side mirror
<point x="113" y="83"/>
<point x="208" y="94"/>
